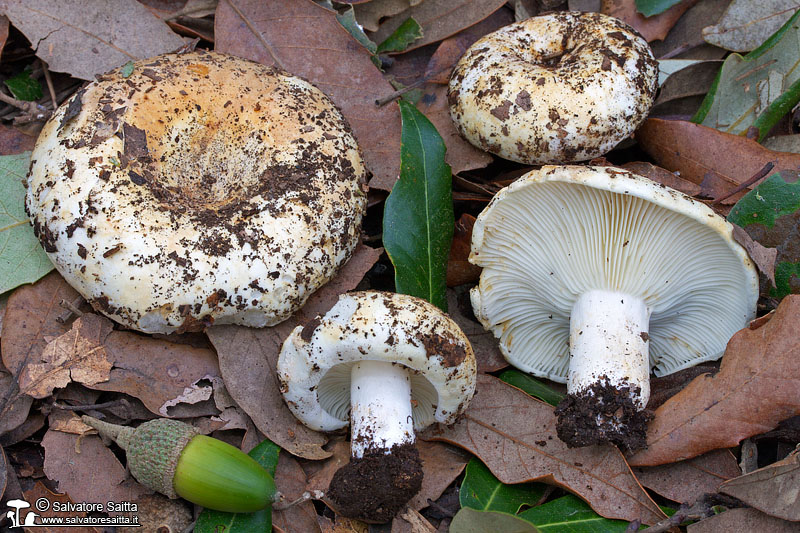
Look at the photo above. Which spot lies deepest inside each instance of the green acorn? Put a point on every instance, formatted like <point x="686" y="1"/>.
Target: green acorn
<point x="170" y="457"/>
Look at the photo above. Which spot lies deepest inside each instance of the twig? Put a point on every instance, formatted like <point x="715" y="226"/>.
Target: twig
<point x="685" y="47"/>
<point x="307" y="495"/>
<point x="114" y="403"/>
<point x="257" y="33"/>
<point x="71" y="309"/>
<point x="757" y="176"/>
<point x="49" y="81"/>
<point x="700" y="509"/>
<point x="380" y="102"/>
<point x="36" y="111"/>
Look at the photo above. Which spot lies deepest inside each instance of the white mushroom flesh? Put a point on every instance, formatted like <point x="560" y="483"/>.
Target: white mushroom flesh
<point x="380" y="415"/>
<point x="608" y="344"/>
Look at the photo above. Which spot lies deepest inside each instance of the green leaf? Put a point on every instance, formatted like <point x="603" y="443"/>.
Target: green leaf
<point x="265" y="454"/>
<point x="648" y="8"/>
<point x="570" y="514"/>
<point x="23" y="87"/>
<point x="127" y="69"/>
<point x="758" y="89"/>
<point x="418" y="217"/>
<point x="532" y="386"/>
<point x="401" y="38"/>
<point x="347" y="19"/>
<point x="769" y="213"/>
<point x="22" y="259"/>
<point x="471" y="521"/>
<point x="482" y="491"/>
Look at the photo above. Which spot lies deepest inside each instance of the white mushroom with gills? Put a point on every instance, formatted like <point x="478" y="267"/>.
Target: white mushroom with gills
<point x="197" y="189"/>
<point x="389" y="364"/>
<point x="595" y="276"/>
<point x="555" y="88"/>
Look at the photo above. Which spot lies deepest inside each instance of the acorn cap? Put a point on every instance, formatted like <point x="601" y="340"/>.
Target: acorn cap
<point x="153" y="449"/>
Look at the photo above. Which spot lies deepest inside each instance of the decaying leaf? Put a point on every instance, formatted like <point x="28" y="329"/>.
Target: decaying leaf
<point x="742" y="520"/>
<point x="745" y="24"/>
<point x="247" y="359"/>
<point x="664" y="177"/>
<point x="684" y="38"/>
<point x="783" y="143"/>
<point x="717" y="160"/>
<point x="66" y="422"/>
<point x="160" y="514"/>
<point x="459" y="269"/>
<point x="291" y="482"/>
<point x="754" y="390"/>
<point x="328" y="57"/>
<point x="78" y="355"/>
<point x="440" y="18"/>
<point x="773" y="490"/>
<point x="370" y="14"/>
<point x="86" y="470"/>
<point x="514" y="435"/>
<point x="763" y="257"/>
<point x="653" y="28"/>
<point x="87" y="38"/>
<point x="40" y="491"/>
<point x="685" y="481"/>
<point x="14" y="406"/>
<point x="484" y="343"/>
<point x="469" y="520"/>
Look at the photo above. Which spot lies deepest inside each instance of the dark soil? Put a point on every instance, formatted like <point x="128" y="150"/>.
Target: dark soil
<point x="602" y="413"/>
<point x="375" y="487"/>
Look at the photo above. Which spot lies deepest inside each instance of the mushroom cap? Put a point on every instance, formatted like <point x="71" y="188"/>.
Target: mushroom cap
<point x="560" y="231"/>
<point x="315" y="361"/>
<point x="554" y="88"/>
<point x="202" y="188"/>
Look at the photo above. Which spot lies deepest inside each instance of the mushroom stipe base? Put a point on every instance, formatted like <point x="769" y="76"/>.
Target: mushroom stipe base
<point x="375" y="487"/>
<point x="604" y="412"/>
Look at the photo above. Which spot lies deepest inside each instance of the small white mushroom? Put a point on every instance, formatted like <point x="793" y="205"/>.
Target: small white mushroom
<point x="390" y="363"/>
<point x="593" y="276"/>
<point x="554" y="88"/>
<point x="202" y="188"/>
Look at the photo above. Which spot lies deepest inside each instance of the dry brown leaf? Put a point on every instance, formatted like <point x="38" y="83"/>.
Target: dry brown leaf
<point x="686" y="481"/>
<point x="307" y="40"/>
<point x="735" y="520"/>
<point x="77" y="355"/>
<point x="514" y="435"/>
<point x="459" y="269"/>
<point x="755" y="388"/>
<point x="774" y="489"/>
<point x="291" y="482"/>
<point x="686" y="36"/>
<point x="763" y="257"/>
<point x="14" y="406"/>
<point x="66" y="422"/>
<point x="718" y="161"/>
<point x="86" y="470"/>
<point x="653" y="28"/>
<point x="84" y="38"/>
<point x="484" y="343"/>
<point x="663" y="176"/>
<point x="40" y="491"/>
<point x="159" y="514"/>
<point x="342" y="525"/>
<point x="247" y="359"/>
<point x="13" y="140"/>
<point x="3" y="472"/>
<point x="370" y="14"/>
<point x="26" y="430"/>
<point x="439" y="19"/>
<point x="418" y="522"/>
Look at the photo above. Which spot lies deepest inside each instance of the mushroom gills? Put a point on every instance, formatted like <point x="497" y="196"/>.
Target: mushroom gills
<point x="608" y="383"/>
<point x="380" y="412"/>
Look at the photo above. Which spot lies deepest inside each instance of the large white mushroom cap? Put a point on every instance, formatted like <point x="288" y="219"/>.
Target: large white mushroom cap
<point x="554" y="88"/>
<point x="201" y="188"/>
<point x="564" y="231"/>
<point x="315" y="363"/>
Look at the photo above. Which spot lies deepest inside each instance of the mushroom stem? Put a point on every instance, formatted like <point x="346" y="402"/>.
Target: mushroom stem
<point x="609" y="344"/>
<point x="380" y="408"/>
<point x="608" y="383"/>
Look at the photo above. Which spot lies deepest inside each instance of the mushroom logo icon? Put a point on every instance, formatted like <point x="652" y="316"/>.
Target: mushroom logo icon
<point x="13" y="516"/>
